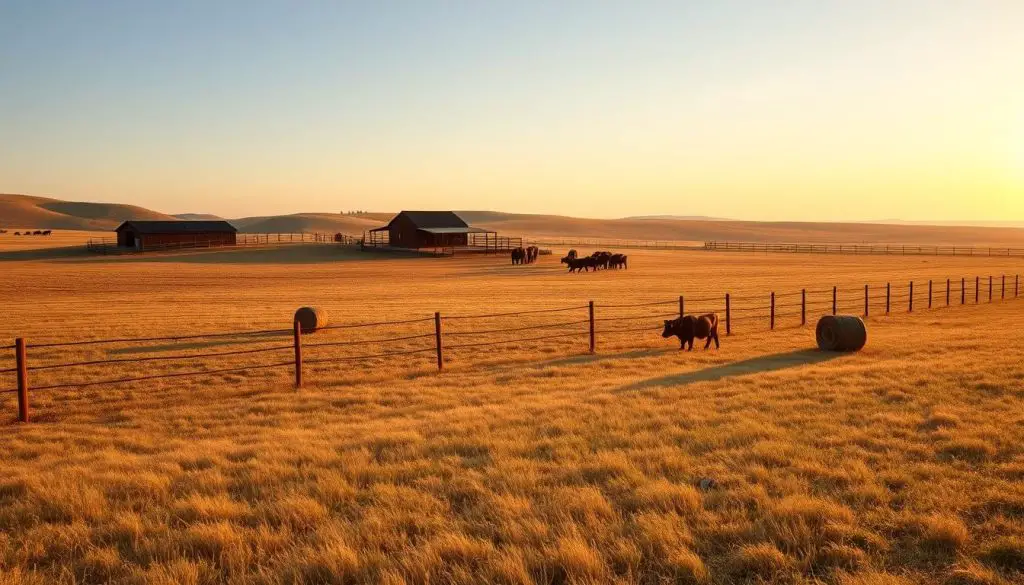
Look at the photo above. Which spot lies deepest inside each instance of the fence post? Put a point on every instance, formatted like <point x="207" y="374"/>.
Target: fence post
<point x="22" y="363"/>
<point x="947" y="292"/>
<point x="1002" y="294"/>
<point x="963" y="291"/>
<point x="990" y="288"/>
<point x="866" y="305"/>
<point x="437" y="340"/>
<point x="888" y="297"/>
<point x="728" y="315"/>
<point x="297" y="334"/>
<point x="682" y="307"/>
<point x="593" y="342"/>
<point x="803" y="307"/>
<point x="772" y="325"/>
<point x="835" y="293"/>
<point x="977" y="289"/>
<point x="929" y="294"/>
<point x="1016" y="286"/>
<point x="911" y="309"/>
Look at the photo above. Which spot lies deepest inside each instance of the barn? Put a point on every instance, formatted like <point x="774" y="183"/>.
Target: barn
<point x="427" y="229"/>
<point x="153" y="235"/>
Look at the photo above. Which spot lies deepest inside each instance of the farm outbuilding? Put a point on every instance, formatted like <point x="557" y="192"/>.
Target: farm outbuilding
<point x="426" y="229"/>
<point x="150" y="235"/>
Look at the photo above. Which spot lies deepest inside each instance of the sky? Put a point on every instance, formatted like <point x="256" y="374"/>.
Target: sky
<point x="748" y="109"/>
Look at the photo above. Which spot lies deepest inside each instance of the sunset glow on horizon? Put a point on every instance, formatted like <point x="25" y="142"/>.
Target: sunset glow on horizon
<point x="798" y="110"/>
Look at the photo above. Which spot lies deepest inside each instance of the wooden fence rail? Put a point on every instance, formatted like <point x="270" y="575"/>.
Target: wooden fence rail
<point x="863" y="249"/>
<point x="747" y="314"/>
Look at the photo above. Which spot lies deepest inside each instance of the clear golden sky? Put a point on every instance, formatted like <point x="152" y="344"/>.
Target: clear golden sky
<point x="802" y="110"/>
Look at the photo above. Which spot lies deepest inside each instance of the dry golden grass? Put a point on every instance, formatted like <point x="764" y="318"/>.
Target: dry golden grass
<point x="518" y="464"/>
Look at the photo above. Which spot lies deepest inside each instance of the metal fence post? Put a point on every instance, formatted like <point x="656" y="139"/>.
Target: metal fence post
<point x="20" y="356"/>
<point x="911" y="308"/>
<point x="803" y="307"/>
<point x="593" y="342"/>
<point x="297" y="334"/>
<point x="866" y="305"/>
<point x="728" y="315"/>
<point x="888" y="297"/>
<point x="1002" y="294"/>
<point x="682" y="307"/>
<point x="835" y="293"/>
<point x="929" y="294"/>
<point x="437" y="340"/>
<point x="772" y="319"/>
<point x="947" y="291"/>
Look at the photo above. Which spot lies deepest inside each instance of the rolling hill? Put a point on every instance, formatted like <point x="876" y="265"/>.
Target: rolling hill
<point x="24" y="211"/>
<point x="41" y="212"/>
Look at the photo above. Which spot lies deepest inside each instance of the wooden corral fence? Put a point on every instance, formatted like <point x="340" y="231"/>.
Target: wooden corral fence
<point x="109" y="245"/>
<point x="609" y="243"/>
<point x="863" y="249"/>
<point x="443" y="338"/>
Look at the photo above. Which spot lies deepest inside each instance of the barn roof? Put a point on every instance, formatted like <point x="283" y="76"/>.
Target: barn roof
<point x="178" y="227"/>
<point x="434" y="219"/>
<point x="456" y="230"/>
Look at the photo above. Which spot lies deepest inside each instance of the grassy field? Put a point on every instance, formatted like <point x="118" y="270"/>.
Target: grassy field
<point x="522" y="463"/>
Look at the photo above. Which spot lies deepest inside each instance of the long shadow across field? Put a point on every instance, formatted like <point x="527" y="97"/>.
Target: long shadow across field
<point x="768" y="363"/>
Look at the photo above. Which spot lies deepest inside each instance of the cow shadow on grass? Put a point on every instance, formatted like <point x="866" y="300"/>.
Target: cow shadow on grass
<point x="757" y="365"/>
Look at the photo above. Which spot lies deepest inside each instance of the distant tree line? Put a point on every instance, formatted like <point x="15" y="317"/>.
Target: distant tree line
<point x="354" y="212"/>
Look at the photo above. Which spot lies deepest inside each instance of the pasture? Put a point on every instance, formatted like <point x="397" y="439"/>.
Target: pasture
<point x="520" y="463"/>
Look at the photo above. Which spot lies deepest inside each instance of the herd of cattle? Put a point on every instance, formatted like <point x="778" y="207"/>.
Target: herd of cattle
<point x="29" y="233"/>
<point x="597" y="260"/>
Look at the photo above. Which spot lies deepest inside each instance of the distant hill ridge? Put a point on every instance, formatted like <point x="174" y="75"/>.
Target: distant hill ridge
<point x="25" y="211"/>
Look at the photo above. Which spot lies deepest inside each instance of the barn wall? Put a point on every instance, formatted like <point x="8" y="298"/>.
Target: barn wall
<point x="198" y="239"/>
<point x="402" y="233"/>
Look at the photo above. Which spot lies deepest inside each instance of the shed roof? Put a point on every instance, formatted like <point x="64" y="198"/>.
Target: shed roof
<point x="456" y="230"/>
<point x="178" y="227"/>
<point x="434" y="219"/>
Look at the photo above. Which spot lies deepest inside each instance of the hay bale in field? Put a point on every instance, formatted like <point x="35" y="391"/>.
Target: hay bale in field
<point x="311" y="318"/>
<point x="841" y="333"/>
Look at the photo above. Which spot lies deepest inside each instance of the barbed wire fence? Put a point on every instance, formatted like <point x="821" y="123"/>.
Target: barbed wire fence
<point x="449" y="337"/>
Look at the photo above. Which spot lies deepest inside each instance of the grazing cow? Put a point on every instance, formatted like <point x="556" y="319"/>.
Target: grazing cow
<point x="339" y="237"/>
<point x="37" y="233"/>
<point x="689" y="327"/>
<point x="47" y="232"/>
<point x="580" y="264"/>
<point x="17" y="233"/>
<point x="572" y="254"/>
<point x="617" y="261"/>
<point x="518" y="256"/>
<point x="601" y="259"/>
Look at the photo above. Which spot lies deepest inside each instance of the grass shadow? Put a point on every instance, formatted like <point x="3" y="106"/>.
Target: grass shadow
<point x="44" y="254"/>
<point x="757" y="365"/>
<point x="241" y="339"/>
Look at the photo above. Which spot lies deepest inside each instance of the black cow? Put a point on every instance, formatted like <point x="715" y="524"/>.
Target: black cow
<point x="518" y="256"/>
<point x="689" y="327"/>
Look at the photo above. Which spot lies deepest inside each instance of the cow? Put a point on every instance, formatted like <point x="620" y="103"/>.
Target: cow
<point x="47" y="232"/>
<point x="601" y="259"/>
<point x="531" y="254"/>
<point x="617" y="261"/>
<point x="689" y="327"/>
<point x="518" y="255"/>
<point x="580" y="264"/>
<point x="17" y="233"/>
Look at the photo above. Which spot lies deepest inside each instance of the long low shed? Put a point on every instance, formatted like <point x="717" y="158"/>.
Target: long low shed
<point x="149" y="235"/>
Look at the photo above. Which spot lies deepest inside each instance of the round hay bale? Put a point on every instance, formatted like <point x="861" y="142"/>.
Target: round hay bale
<point x="841" y="333"/>
<point x="311" y="318"/>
